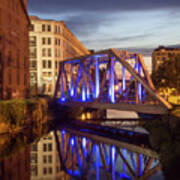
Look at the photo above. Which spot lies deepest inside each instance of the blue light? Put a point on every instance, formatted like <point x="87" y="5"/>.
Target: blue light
<point x="63" y="132"/>
<point x="124" y="79"/>
<point x="84" y="142"/>
<point x="72" y="92"/>
<point x="140" y="164"/>
<point x="62" y="99"/>
<point x="72" y="141"/>
<point x="97" y="78"/>
<point x="83" y="95"/>
<point x="113" y="153"/>
<point x="131" y="133"/>
<point x="124" y="165"/>
<point x="97" y="162"/>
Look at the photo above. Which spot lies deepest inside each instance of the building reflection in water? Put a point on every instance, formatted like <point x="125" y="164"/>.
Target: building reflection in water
<point x="45" y="162"/>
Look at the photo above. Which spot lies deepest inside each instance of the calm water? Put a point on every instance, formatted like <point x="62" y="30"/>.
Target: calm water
<point x="33" y="154"/>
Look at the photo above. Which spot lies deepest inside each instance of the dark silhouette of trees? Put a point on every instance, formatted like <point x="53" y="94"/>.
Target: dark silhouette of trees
<point x="168" y="74"/>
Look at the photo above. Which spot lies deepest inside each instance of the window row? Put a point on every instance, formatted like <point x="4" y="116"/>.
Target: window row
<point x="47" y="170"/>
<point x="46" y="52"/>
<point x="46" y="28"/>
<point x="47" y="64"/>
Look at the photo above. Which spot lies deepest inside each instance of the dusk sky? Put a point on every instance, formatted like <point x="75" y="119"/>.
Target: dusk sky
<point x="104" y="24"/>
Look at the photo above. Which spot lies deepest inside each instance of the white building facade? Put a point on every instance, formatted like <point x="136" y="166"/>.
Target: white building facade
<point x="50" y="43"/>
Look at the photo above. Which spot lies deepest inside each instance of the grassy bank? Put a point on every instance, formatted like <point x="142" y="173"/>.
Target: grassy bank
<point x="17" y="113"/>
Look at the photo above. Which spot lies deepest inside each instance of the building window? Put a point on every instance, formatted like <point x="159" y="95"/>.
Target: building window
<point x="43" y="52"/>
<point x="34" y="158"/>
<point x="49" y="41"/>
<point x="32" y="40"/>
<point x="49" y="28"/>
<point x="49" y="147"/>
<point x="34" y="171"/>
<point x="44" y="170"/>
<point x="25" y="79"/>
<point x="18" y="77"/>
<point x="44" y="63"/>
<point x="31" y="28"/>
<point x="56" y="64"/>
<point x="9" y="78"/>
<point x="43" y="40"/>
<point x="43" y="27"/>
<point x="32" y="52"/>
<point x="34" y="147"/>
<point x="44" y="159"/>
<point x="33" y="64"/>
<point x="59" y="42"/>
<point x="49" y="64"/>
<point x="50" y="170"/>
<point x="44" y="147"/>
<point x="49" y="52"/>
<point x="50" y="159"/>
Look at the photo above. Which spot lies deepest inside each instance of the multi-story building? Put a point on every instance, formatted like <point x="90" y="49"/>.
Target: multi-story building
<point x="50" y="42"/>
<point x="160" y="54"/>
<point x="14" y="49"/>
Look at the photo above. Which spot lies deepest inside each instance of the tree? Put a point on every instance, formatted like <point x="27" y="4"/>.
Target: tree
<point x="168" y="74"/>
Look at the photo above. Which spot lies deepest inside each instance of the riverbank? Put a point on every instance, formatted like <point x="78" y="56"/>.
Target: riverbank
<point x="19" y="113"/>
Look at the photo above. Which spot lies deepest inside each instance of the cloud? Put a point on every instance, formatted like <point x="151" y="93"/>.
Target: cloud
<point x="69" y="6"/>
<point x="114" y="23"/>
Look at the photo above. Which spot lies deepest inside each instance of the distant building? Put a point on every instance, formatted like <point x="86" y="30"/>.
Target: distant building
<point x="50" y="43"/>
<point x="160" y="54"/>
<point x="14" y="49"/>
<point x="146" y="54"/>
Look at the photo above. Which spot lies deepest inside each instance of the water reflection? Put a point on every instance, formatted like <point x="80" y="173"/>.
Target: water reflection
<point x="38" y="153"/>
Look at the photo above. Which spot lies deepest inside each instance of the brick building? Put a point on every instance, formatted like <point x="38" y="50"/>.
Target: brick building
<point x="50" y="42"/>
<point x="14" y="49"/>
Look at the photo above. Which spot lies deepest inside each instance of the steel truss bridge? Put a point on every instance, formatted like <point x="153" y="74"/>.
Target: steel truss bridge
<point x="109" y="79"/>
<point x="88" y="155"/>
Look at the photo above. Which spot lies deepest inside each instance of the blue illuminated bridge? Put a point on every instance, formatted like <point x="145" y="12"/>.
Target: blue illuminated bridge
<point x="109" y="79"/>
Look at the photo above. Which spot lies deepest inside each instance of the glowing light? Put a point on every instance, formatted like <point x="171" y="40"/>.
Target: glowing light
<point x="72" y="92"/>
<point x="72" y="141"/>
<point x="83" y="116"/>
<point x="97" y="78"/>
<point x="84" y="142"/>
<point x="62" y="99"/>
<point x="124" y="79"/>
<point x="63" y="132"/>
<point x="88" y="115"/>
<point x="113" y="153"/>
<point x="116" y="88"/>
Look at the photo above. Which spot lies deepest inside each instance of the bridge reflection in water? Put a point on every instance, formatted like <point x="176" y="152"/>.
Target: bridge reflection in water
<point x="87" y="156"/>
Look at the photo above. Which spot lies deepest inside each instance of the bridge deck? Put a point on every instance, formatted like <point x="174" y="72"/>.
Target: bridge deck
<point x="139" y="108"/>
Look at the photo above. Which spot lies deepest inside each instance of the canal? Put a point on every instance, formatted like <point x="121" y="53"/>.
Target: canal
<point x="77" y="152"/>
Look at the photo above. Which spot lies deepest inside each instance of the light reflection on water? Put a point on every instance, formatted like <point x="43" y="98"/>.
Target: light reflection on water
<point x="41" y="166"/>
<point x="41" y="159"/>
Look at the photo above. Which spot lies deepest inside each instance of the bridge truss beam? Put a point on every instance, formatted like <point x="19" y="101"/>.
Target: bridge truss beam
<point x="107" y="77"/>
